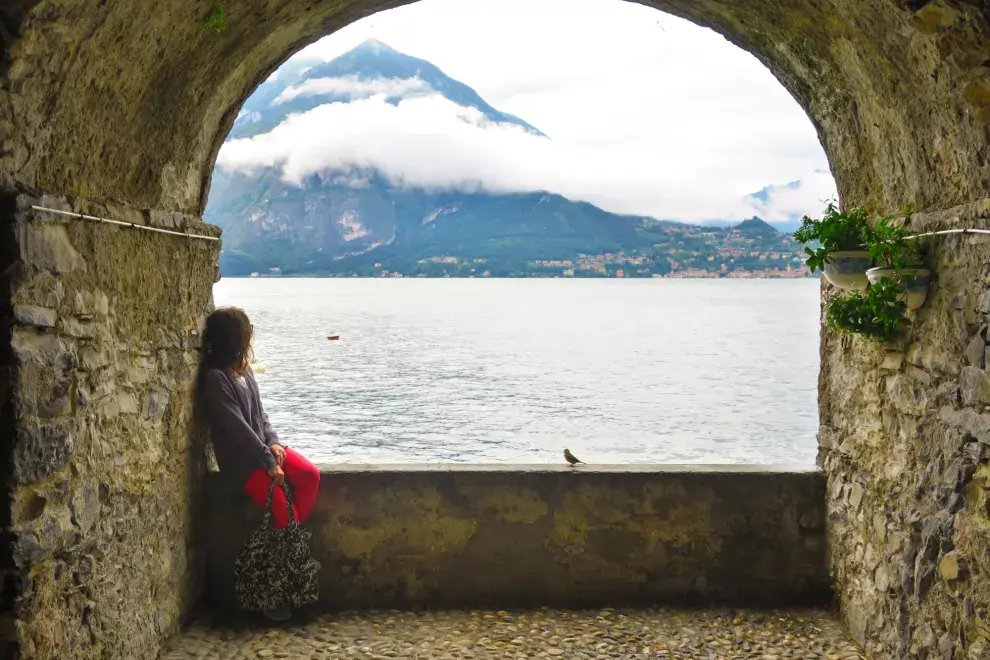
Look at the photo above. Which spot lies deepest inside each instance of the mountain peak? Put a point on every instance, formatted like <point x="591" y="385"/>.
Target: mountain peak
<point x="374" y="46"/>
<point x="755" y="225"/>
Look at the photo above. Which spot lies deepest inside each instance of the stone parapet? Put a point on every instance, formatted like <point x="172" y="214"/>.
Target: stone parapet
<point x="474" y="535"/>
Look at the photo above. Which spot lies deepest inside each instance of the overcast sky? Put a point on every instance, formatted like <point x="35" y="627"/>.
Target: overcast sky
<point x="647" y="113"/>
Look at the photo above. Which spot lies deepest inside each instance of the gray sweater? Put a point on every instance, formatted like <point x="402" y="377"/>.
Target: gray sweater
<point x="239" y="427"/>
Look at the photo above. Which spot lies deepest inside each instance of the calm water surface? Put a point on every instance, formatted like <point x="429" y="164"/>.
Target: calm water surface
<point x="619" y="371"/>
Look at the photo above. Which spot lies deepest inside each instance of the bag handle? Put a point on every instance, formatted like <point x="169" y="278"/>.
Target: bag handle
<point x="288" y="502"/>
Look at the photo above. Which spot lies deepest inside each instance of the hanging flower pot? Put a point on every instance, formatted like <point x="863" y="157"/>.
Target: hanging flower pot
<point x="835" y="246"/>
<point x="847" y="270"/>
<point x="914" y="283"/>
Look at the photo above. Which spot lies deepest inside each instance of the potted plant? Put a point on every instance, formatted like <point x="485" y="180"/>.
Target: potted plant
<point x="840" y="255"/>
<point x="898" y="260"/>
<point x="878" y="313"/>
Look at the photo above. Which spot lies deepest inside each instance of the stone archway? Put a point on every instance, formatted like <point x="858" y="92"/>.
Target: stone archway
<point x="118" y="109"/>
<point x="129" y="104"/>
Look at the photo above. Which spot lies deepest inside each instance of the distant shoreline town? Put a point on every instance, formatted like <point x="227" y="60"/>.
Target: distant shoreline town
<point x="681" y="275"/>
<point x="602" y="266"/>
<point x="751" y="250"/>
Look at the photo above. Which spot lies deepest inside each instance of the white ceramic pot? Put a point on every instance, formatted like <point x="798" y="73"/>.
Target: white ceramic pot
<point x="847" y="270"/>
<point x="914" y="283"/>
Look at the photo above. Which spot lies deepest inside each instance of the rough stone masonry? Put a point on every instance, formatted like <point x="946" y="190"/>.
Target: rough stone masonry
<point x="905" y="441"/>
<point x="104" y="470"/>
<point x="119" y="108"/>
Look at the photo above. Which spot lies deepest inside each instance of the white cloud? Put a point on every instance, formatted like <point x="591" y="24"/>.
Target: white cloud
<point x="649" y="113"/>
<point x="785" y="202"/>
<point x="352" y="88"/>
<point x="431" y="142"/>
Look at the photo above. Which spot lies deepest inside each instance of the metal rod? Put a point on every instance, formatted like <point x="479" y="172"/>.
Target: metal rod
<point x="950" y="231"/>
<point x="124" y="224"/>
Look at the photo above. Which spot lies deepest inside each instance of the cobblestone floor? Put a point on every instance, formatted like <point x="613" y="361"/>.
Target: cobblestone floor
<point x="587" y="635"/>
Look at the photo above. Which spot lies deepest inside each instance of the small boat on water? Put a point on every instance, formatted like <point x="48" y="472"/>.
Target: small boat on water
<point x="333" y="337"/>
<point x="258" y="368"/>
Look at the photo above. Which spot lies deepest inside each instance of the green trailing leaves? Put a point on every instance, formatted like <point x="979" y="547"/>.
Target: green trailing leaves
<point x="888" y="246"/>
<point x="878" y="313"/>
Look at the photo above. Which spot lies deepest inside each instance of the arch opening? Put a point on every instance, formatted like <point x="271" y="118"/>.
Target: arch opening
<point x="360" y="157"/>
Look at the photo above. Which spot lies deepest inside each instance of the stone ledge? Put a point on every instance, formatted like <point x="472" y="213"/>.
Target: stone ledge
<point x="551" y="468"/>
<point x="445" y="535"/>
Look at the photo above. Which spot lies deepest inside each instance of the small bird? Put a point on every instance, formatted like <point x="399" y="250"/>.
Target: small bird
<point x="571" y="458"/>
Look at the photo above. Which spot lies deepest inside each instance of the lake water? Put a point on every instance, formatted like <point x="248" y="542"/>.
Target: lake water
<point x="619" y="371"/>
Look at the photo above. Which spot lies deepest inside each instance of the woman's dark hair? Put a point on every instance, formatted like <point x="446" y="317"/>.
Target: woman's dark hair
<point x="227" y="341"/>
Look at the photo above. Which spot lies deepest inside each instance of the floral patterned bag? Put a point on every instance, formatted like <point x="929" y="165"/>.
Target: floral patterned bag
<point x="275" y="568"/>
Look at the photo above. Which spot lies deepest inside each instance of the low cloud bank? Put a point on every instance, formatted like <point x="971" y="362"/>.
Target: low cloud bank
<point x="427" y="141"/>
<point x="352" y="88"/>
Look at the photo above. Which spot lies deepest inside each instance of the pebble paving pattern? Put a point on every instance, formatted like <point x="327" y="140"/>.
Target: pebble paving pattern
<point x="587" y="635"/>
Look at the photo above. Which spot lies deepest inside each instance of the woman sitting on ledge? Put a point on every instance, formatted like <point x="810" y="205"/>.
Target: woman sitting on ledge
<point x="247" y="449"/>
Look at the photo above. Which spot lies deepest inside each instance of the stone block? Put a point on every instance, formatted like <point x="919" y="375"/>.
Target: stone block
<point x="157" y="404"/>
<point x="892" y="361"/>
<point x="914" y="353"/>
<point x="42" y="317"/>
<point x="949" y="566"/>
<point x="41" y="450"/>
<point x="947" y="394"/>
<point x="47" y="247"/>
<point x="94" y="387"/>
<point x="82" y="329"/>
<point x="855" y="496"/>
<point x="86" y="507"/>
<point x="44" y="372"/>
<point x="974" y="386"/>
<point x="93" y="359"/>
<point x="30" y="345"/>
<point x="42" y="290"/>
<point x="906" y="395"/>
<point x="933" y="16"/>
<point x="975" y="350"/>
<point x="881" y="578"/>
<point x="90" y="304"/>
<point x="125" y="403"/>
<point x="49" y="535"/>
<point x="919" y="374"/>
<point x="141" y="370"/>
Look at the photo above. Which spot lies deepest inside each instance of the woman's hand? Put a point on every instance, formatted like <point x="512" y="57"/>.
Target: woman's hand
<point x="277" y="474"/>
<point x="278" y="451"/>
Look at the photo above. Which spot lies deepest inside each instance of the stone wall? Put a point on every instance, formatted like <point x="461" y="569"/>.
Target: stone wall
<point x="905" y="441"/>
<point x="485" y="535"/>
<point x="104" y="471"/>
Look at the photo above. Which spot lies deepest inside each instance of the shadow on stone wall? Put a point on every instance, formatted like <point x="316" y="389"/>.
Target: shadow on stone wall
<point x="10" y="577"/>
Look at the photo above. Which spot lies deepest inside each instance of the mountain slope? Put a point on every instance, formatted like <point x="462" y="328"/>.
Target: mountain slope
<point x="357" y="221"/>
<point x="370" y="68"/>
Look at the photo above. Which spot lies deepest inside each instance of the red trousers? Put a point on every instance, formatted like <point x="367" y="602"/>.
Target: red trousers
<point x="304" y="478"/>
